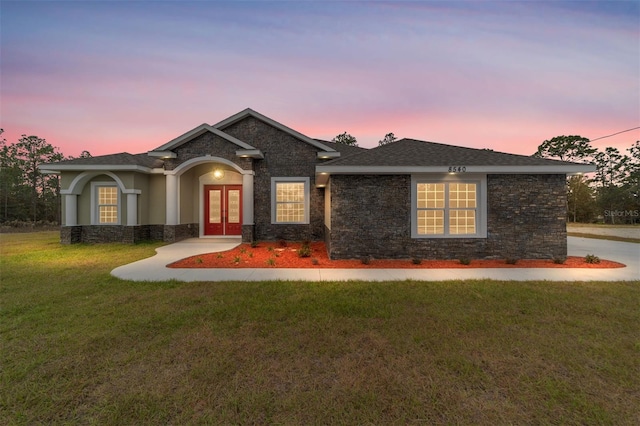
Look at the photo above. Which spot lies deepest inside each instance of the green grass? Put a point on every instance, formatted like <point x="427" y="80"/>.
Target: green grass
<point x="81" y="347"/>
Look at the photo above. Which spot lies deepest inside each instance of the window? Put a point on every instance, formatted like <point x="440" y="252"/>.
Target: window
<point x="289" y="200"/>
<point x="448" y="208"/>
<point x="105" y="205"/>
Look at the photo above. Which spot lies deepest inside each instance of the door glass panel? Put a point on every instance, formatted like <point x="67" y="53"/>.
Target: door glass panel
<point x="215" y="206"/>
<point x="234" y="206"/>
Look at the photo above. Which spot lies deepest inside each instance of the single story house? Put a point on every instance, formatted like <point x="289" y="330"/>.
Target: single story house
<point x="251" y="178"/>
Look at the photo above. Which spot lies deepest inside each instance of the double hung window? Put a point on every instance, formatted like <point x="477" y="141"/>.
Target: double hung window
<point x="290" y="200"/>
<point x="448" y="209"/>
<point x="106" y="206"/>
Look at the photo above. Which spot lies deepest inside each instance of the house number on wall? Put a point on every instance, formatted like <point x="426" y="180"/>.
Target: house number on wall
<point x="457" y="169"/>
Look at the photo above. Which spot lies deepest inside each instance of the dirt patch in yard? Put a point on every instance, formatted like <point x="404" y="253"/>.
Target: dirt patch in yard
<point x="274" y="255"/>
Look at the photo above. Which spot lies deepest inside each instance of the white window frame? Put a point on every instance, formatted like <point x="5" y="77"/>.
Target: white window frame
<point x="274" y="182"/>
<point x="95" y="207"/>
<point x="481" y="203"/>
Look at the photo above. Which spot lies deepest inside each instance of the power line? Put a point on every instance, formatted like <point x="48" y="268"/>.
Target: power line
<point x="608" y="136"/>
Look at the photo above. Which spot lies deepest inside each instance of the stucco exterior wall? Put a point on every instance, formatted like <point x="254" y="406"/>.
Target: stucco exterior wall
<point x="371" y="216"/>
<point x="154" y="201"/>
<point x="188" y="198"/>
<point x="84" y="200"/>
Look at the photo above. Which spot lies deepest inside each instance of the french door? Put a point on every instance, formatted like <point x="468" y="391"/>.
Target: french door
<point x="223" y="210"/>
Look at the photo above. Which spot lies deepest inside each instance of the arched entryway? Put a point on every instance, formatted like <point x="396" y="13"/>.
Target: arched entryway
<point x="212" y="192"/>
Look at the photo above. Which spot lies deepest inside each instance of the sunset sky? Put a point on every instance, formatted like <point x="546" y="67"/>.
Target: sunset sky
<point x="129" y="76"/>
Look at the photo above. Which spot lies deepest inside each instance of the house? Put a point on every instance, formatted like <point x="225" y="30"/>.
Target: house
<point x="251" y="178"/>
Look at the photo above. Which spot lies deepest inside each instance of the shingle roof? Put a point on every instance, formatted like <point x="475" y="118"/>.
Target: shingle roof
<point x="344" y="150"/>
<point x="121" y="159"/>
<point x="416" y="153"/>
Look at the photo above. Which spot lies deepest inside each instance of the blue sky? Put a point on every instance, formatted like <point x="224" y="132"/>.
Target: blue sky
<point x="129" y="76"/>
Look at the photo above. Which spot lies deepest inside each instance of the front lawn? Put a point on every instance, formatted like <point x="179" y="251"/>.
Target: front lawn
<point x="81" y="347"/>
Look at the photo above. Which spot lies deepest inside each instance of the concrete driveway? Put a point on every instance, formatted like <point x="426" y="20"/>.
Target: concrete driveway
<point x="154" y="268"/>
<point x="625" y="232"/>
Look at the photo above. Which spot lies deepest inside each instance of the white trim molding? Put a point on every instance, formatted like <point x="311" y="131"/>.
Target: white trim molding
<point x="206" y="159"/>
<point x="324" y="171"/>
<point x="78" y="183"/>
<point x="195" y="132"/>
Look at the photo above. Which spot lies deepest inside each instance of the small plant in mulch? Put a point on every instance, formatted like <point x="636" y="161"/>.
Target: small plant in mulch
<point x="314" y="261"/>
<point x="254" y="244"/>
<point x="304" y="250"/>
<point x="559" y="260"/>
<point x="199" y="260"/>
<point x="219" y="255"/>
<point x="243" y="250"/>
<point x="511" y="260"/>
<point x="465" y="260"/>
<point x="365" y="260"/>
<point x="270" y="248"/>
<point x="250" y="254"/>
<point x="592" y="258"/>
<point x="236" y="259"/>
<point x="271" y="261"/>
<point x="416" y="261"/>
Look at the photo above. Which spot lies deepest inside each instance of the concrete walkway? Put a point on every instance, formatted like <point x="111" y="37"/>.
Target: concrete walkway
<point x="154" y="268"/>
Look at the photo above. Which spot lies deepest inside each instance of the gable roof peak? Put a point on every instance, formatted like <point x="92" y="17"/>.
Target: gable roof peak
<point x="248" y="112"/>
<point x="197" y="131"/>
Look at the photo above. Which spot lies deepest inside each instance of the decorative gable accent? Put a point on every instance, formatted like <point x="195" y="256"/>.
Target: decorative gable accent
<point x="166" y="150"/>
<point x="325" y="152"/>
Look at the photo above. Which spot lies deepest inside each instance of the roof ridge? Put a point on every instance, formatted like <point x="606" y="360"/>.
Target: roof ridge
<point x="418" y="153"/>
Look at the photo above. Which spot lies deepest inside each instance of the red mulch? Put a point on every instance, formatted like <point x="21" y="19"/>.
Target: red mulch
<point x="274" y="255"/>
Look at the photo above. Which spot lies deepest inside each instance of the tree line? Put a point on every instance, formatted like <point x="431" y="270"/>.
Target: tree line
<point x="27" y="194"/>
<point x="610" y="195"/>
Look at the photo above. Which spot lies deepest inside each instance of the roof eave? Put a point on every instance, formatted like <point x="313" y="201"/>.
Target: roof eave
<point x="328" y="155"/>
<point x="106" y="167"/>
<point x="162" y="154"/>
<point x="250" y="153"/>
<point x="569" y="169"/>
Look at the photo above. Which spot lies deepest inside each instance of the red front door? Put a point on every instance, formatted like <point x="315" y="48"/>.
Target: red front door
<point x="223" y="210"/>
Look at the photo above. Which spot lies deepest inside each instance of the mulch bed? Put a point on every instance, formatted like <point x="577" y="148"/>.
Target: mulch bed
<point x="275" y="255"/>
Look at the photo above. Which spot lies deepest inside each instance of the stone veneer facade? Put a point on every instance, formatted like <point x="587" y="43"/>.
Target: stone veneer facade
<point x="92" y="234"/>
<point x="371" y="216"/>
<point x="284" y="156"/>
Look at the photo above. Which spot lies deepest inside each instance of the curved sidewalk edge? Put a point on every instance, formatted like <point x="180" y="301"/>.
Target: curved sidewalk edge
<point x="154" y="268"/>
